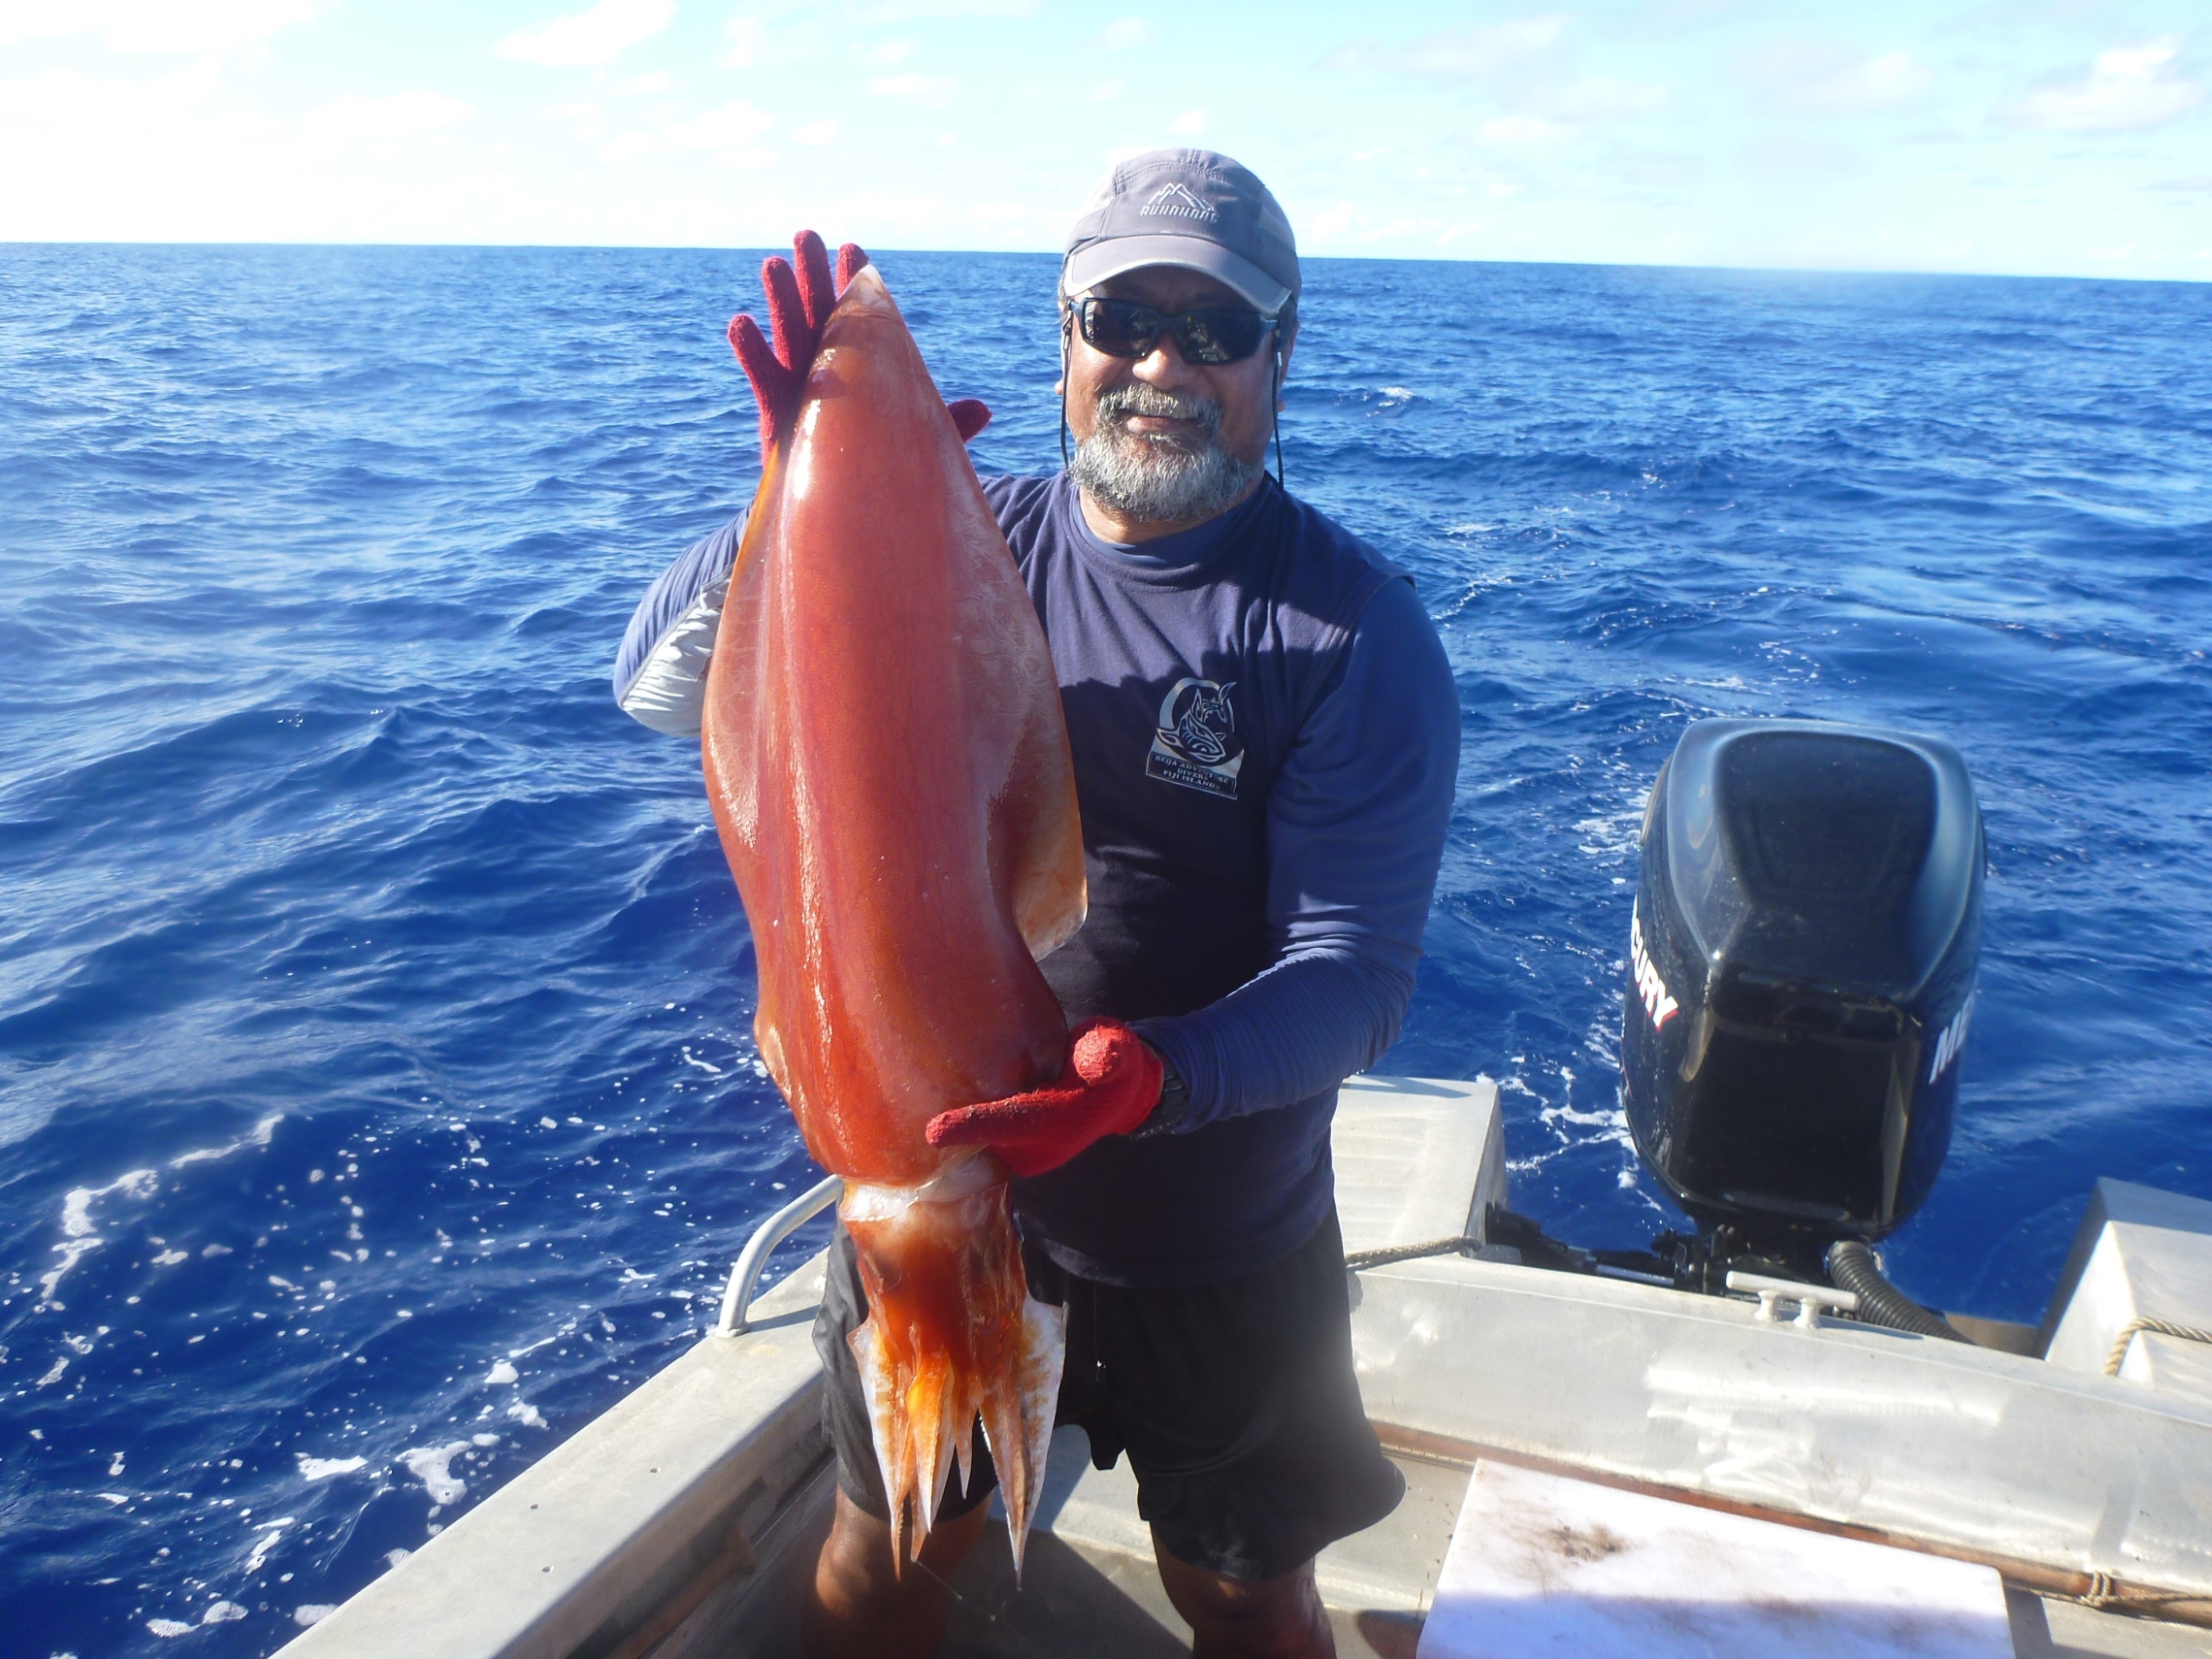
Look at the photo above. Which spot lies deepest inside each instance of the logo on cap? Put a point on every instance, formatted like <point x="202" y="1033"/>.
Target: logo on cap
<point x="1175" y="202"/>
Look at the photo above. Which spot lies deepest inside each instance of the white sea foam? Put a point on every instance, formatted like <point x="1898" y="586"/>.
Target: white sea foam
<point x="54" y="1375"/>
<point x="258" y="1138"/>
<point x="78" y="1236"/>
<point x="527" y="1415"/>
<point x="430" y="1464"/>
<point x="501" y="1372"/>
<point x="223" y="1612"/>
<point x="323" y="1468"/>
<point x="271" y="1532"/>
<point x="313" y="1613"/>
<point x="166" y="1627"/>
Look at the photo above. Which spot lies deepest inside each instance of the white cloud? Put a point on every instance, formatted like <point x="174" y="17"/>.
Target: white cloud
<point x="1596" y="98"/>
<point x="927" y="90"/>
<point x="1796" y="156"/>
<point x="728" y="134"/>
<point x="1485" y="50"/>
<point x="888" y="52"/>
<point x="2126" y="88"/>
<point x="1191" y="123"/>
<point x="1122" y="33"/>
<point x="748" y="47"/>
<point x="734" y="124"/>
<point x="1349" y="223"/>
<point x="598" y="35"/>
<point x="1517" y="131"/>
<point x="154" y="25"/>
<point x="644" y="85"/>
<point x="815" y="133"/>
<point x="1106" y="91"/>
<point x="907" y="11"/>
<point x="402" y="115"/>
<point x="1877" y="83"/>
<point x="1810" y="76"/>
<point x="587" y="119"/>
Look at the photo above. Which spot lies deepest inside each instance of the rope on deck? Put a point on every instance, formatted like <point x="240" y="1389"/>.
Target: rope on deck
<point x="2158" y="1327"/>
<point x="1462" y="1244"/>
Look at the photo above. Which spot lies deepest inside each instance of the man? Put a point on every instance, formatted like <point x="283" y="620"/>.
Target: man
<point x="1265" y="736"/>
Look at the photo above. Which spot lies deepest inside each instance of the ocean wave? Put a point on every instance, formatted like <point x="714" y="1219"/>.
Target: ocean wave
<point x="376" y="1069"/>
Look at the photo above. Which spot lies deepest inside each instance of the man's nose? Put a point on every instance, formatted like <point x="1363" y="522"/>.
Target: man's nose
<point x="1163" y="366"/>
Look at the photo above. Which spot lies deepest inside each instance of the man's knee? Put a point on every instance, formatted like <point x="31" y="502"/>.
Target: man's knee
<point x="1279" y="1618"/>
<point x="860" y="1604"/>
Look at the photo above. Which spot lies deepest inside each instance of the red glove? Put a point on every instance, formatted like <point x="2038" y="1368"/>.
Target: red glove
<point x="1109" y="1086"/>
<point x="798" y="304"/>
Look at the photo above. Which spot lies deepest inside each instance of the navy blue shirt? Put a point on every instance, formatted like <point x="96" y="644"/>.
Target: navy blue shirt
<point x="1266" y="737"/>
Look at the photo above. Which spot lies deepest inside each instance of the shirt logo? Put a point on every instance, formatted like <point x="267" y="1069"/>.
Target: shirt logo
<point x="1194" y="741"/>
<point x="1175" y="202"/>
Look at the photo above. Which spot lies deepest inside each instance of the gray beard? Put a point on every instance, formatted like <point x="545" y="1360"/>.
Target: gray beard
<point x="1158" y="481"/>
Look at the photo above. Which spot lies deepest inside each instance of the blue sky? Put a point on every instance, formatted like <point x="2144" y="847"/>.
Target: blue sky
<point x="2041" y="136"/>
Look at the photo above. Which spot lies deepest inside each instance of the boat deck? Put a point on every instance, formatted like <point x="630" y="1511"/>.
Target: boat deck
<point x="1090" y="1591"/>
<point x="681" y="1524"/>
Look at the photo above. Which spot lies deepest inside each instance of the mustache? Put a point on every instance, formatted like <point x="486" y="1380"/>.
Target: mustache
<point x="1114" y="408"/>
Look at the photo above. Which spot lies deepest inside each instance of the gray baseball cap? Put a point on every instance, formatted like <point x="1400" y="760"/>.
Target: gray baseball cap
<point x="1192" y="207"/>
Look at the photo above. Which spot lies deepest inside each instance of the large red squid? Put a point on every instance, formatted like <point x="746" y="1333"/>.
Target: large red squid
<point x="890" y="772"/>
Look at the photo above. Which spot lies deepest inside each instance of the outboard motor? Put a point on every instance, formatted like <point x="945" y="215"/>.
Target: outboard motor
<point x="1801" y="967"/>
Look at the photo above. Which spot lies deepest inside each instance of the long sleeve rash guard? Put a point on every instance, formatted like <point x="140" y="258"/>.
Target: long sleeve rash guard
<point x="1266" y="735"/>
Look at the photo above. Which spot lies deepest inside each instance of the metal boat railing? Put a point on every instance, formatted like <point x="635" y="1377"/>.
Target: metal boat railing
<point x="738" y="1296"/>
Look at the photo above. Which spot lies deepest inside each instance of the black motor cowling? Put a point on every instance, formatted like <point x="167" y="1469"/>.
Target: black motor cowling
<point x="1802" y="964"/>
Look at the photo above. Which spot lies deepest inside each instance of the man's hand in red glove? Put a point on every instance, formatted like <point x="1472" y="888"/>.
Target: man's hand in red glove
<point x="798" y="304"/>
<point x="1110" y="1085"/>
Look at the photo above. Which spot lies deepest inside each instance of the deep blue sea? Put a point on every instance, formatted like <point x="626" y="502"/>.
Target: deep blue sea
<point x="376" y="1085"/>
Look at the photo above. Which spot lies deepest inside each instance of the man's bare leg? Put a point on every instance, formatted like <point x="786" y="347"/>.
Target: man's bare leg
<point x="1238" y="1618"/>
<point x="856" y="1607"/>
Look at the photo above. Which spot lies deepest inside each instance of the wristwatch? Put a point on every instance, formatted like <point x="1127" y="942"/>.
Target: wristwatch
<point x="1174" y="1101"/>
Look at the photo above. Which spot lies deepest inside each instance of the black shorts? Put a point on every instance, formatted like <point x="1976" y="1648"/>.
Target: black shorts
<point x="1236" y="1403"/>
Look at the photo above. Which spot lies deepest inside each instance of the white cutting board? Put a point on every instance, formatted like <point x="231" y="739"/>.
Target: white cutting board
<point x="1541" y="1567"/>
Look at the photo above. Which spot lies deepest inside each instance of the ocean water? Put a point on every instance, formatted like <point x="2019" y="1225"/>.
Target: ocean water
<point x="377" y="1087"/>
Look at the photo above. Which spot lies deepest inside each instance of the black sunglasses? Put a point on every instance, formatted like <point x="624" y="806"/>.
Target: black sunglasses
<point x="1123" y="328"/>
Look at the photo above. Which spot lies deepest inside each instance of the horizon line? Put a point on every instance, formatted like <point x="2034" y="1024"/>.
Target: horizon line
<point x="1029" y="253"/>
